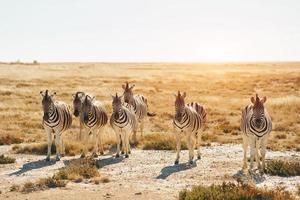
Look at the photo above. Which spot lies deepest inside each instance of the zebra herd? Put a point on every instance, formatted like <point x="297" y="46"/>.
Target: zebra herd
<point x="129" y="113"/>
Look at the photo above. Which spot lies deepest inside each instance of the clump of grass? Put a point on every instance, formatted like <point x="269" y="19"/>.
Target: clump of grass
<point x="233" y="192"/>
<point x="6" y="159"/>
<point x="78" y="170"/>
<point x="283" y="167"/>
<point x="10" y="139"/>
<point x="71" y="148"/>
<point x="160" y="142"/>
<point x="41" y="184"/>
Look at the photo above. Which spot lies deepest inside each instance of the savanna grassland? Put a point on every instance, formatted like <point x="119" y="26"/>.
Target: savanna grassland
<point x="223" y="89"/>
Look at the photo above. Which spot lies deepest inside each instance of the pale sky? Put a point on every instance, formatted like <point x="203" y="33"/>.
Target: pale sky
<point x="150" y="30"/>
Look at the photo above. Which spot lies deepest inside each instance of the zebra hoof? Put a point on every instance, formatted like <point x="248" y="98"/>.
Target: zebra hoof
<point x="198" y="157"/>
<point x="191" y="162"/>
<point x="48" y="159"/>
<point x="122" y="152"/>
<point x="82" y="156"/>
<point x="57" y="158"/>
<point x="126" y="156"/>
<point x="129" y="152"/>
<point x="117" y="155"/>
<point x="176" y="162"/>
<point x="101" y="153"/>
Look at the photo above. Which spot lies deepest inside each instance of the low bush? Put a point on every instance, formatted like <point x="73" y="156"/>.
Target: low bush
<point x="231" y="191"/>
<point x="285" y="168"/>
<point x="6" y="159"/>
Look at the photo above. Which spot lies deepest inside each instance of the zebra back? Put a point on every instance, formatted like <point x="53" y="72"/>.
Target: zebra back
<point x="199" y="109"/>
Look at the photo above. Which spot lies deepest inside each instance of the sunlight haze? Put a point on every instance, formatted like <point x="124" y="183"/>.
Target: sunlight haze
<point x="150" y="31"/>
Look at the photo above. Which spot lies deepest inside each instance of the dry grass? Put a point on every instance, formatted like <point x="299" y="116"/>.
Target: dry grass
<point x="6" y="159"/>
<point x="223" y="89"/>
<point x="41" y="184"/>
<point x="233" y="192"/>
<point x="78" y="170"/>
<point x="71" y="148"/>
<point x="282" y="167"/>
<point x="6" y="139"/>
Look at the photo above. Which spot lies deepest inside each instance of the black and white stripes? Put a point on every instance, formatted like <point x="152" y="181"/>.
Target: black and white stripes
<point x="188" y="120"/>
<point x="56" y="119"/>
<point x="256" y="126"/>
<point x="123" y="121"/>
<point x="93" y="116"/>
<point x="139" y="105"/>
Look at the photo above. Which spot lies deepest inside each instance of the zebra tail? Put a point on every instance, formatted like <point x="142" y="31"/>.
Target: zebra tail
<point x="151" y="114"/>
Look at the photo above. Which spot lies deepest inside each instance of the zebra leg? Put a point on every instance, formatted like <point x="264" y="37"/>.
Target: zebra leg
<point x="80" y="131"/>
<point x="263" y="152"/>
<point x="252" y="151"/>
<point x="57" y="145"/>
<point x="245" y="146"/>
<point x="191" y="147"/>
<point x="257" y="157"/>
<point x="101" y="142"/>
<point x="62" y="147"/>
<point x="126" y="142"/>
<point x="95" y="141"/>
<point x="122" y="146"/>
<point x="118" y="143"/>
<point x="84" y="136"/>
<point x="178" y="145"/>
<point x="198" y="140"/>
<point x="142" y="128"/>
<point x="49" y="144"/>
<point x="134" y="139"/>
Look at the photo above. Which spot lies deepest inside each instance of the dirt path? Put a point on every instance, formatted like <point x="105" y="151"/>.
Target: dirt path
<point x="145" y="175"/>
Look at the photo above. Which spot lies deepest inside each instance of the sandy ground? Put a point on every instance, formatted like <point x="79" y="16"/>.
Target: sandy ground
<point x="145" y="175"/>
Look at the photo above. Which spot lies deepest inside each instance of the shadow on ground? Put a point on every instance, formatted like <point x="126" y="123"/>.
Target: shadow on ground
<point x="108" y="161"/>
<point x="32" y="165"/>
<point x="167" y="171"/>
<point x="250" y="177"/>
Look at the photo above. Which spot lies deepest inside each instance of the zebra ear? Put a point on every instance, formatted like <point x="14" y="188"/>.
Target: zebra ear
<point x="132" y="87"/>
<point x="42" y="93"/>
<point x="184" y="94"/>
<point x="124" y="87"/>
<point x="73" y="95"/>
<point x="253" y="100"/>
<point x="53" y="94"/>
<point x="263" y="100"/>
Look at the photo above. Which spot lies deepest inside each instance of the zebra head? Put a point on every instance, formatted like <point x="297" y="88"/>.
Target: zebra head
<point x="77" y="102"/>
<point x="258" y="116"/>
<point x="179" y="106"/>
<point x="128" y="94"/>
<point x="87" y="107"/>
<point x="116" y="104"/>
<point x="47" y="103"/>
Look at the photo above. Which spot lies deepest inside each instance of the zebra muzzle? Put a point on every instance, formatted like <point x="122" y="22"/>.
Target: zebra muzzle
<point x="46" y="116"/>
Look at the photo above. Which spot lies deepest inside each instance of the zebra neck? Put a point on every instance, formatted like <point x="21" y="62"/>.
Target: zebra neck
<point x="53" y="116"/>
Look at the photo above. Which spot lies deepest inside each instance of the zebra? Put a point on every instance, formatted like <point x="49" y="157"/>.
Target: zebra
<point x="57" y="118"/>
<point x="93" y="117"/>
<point x="78" y="99"/>
<point x="140" y="107"/>
<point x="123" y="121"/>
<point x="188" y="120"/>
<point x="256" y="126"/>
